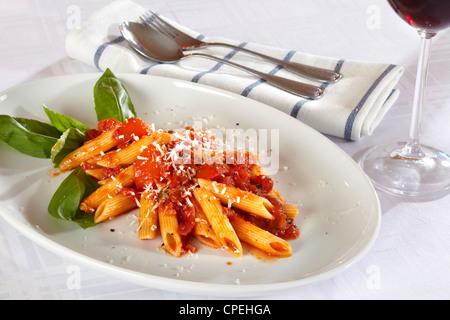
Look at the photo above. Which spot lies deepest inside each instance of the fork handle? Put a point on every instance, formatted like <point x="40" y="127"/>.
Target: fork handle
<point x="315" y="73"/>
<point x="298" y="88"/>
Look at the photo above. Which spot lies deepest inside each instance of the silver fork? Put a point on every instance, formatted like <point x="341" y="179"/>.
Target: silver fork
<point x="185" y="41"/>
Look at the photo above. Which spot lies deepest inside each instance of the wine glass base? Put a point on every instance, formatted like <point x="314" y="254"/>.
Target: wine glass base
<point x="424" y="177"/>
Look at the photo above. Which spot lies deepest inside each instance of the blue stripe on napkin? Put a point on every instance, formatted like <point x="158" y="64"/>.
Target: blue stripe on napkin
<point x="101" y="48"/>
<point x="354" y="113"/>
<point x="299" y="105"/>
<point x="145" y="70"/>
<point x="230" y="55"/>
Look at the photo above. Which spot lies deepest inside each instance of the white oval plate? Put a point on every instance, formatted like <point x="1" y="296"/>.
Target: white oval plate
<point x="339" y="210"/>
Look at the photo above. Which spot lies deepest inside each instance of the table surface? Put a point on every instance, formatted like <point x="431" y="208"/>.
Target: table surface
<point x="411" y="257"/>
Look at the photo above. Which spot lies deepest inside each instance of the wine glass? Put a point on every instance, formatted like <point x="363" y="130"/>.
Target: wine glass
<point x="409" y="168"/>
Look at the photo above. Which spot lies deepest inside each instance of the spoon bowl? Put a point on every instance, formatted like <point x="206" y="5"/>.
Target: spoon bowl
<point x="140" y="39"/>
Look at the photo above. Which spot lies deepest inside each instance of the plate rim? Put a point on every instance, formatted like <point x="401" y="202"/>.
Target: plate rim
<point x="180" y="285"/>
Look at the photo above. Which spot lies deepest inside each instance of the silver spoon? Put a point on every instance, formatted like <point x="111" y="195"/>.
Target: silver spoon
<point x="157" y="46"/>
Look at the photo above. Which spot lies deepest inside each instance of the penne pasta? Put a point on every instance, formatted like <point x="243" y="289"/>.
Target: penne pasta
<point x="124" y="179"/>
<point x="218" y="220"/>
<point x="98" y="174"/>
<point x="148" y="217"/>
<point x="289" y="210"/>
<point x="168" y="224"/>
<point x="92" y="148"/>
<point x="260" y="238"/>
<point x="234" y="197"/>
<point x="203" y="230"/>
<point x="111" y="207"/>
<point x="129" y="154"/>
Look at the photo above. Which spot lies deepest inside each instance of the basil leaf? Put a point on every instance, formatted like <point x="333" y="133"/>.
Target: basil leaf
<point x="66" y="201"/>
<point x="62" y="122"/>
<point x="30" y="137"/>
<point x="38" y="127"/>
<point x="70" y="140"/>
<point x="111" y="99"/>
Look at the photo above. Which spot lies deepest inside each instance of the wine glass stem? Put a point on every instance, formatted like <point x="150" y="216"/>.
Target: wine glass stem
<point x="412" y="149"/>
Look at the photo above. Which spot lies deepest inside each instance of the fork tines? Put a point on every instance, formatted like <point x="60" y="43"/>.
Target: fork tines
<point x="153" y="20"/>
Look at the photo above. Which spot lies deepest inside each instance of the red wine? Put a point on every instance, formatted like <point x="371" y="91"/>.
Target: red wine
<point x="424" y="15"/>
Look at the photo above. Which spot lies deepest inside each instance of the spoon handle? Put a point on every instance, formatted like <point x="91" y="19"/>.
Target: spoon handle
<point x="298" y="88"/>
<point x="315" y="73"/>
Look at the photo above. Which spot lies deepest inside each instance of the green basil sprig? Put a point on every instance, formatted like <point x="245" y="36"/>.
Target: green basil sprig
<point x="66" y="134"/>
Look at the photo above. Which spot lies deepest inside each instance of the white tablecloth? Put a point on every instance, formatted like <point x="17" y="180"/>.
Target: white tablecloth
<point x="411" y="257"/>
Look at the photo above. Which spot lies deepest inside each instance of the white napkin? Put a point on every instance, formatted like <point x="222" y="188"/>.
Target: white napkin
<point x="351" y="108"/>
